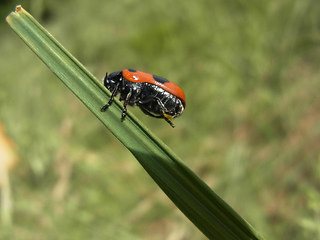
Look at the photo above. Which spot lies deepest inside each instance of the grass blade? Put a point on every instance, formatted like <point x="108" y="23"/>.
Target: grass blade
<point x="215" y="218"/>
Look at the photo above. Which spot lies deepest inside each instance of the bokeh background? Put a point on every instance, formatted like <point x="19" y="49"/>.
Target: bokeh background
<point x="251" y="128"/>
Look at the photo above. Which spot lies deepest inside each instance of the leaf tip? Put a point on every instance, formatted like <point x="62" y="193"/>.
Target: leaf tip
<point x="19" y="8"/>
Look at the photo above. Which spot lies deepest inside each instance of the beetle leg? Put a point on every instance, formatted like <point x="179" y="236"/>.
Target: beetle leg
<point x="163" y="109"/>
<point x="157" y="116"/>
<point x="114" y="93"/>
<point x="168" y="121"/>
<point x="124" y="110"/>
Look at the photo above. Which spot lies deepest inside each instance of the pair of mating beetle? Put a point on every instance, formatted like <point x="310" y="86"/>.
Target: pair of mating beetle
<point x="155" y="96"/>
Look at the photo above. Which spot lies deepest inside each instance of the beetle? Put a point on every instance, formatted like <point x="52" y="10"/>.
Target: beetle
<point x="154" y="95"/>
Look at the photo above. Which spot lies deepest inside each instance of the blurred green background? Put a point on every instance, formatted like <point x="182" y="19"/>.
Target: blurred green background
<point x="251" y="128"/>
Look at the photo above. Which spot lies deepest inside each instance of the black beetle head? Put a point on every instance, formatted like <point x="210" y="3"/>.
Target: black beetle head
<point x="113" y="79"/>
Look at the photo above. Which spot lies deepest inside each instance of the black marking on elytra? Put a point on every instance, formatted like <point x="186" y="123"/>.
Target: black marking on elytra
<point x="160" y="79"/>
<point x="132" y="70"/>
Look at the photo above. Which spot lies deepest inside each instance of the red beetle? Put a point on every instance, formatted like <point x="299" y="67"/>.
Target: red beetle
<point x="155" y="96"/>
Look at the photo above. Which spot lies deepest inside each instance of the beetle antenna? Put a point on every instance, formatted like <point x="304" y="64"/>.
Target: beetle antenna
<point x="105" y="78"/>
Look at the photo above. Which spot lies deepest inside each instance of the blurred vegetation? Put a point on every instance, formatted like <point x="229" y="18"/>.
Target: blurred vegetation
<point x="251" y="129"/>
